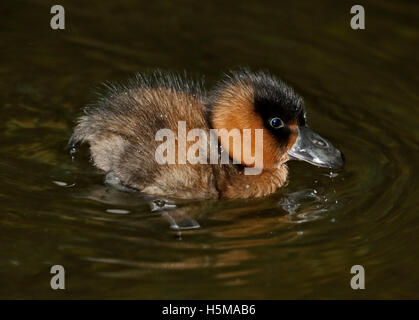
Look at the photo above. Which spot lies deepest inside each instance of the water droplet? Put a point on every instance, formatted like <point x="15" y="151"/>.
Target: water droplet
<point x="160" y="203"/>
<point x="63" y="184"/>
<point x="15" y="262"/>
<point x="60" y="183"/>
<point x="118" y="211"/>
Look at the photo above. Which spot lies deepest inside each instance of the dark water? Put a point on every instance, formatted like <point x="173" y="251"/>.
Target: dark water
<point x="361" y="92"/>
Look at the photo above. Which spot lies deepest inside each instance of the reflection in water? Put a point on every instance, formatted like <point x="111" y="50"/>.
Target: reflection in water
<point x="177" y="218"/>
<point x="237" y="228"/>
<point x="232" y="258"/>
<point x="307" y="205"/>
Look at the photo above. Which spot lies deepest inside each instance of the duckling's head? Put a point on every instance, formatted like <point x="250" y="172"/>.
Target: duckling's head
<point x="247" y="100"/>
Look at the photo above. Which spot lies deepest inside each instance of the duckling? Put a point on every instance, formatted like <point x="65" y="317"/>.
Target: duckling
<point x="121" y="130"/>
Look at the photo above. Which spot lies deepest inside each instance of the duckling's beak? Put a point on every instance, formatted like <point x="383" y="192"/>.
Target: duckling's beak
<point x="314" y="149"/>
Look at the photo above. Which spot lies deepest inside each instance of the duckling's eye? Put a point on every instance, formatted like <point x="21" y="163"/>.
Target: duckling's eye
<point x="276" y="123"/>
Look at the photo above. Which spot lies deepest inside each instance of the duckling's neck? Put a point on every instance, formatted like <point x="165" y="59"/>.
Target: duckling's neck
<point x="234" y="183"/>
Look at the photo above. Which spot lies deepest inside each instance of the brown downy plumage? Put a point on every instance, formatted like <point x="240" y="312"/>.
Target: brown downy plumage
<point x="121" y="131"/>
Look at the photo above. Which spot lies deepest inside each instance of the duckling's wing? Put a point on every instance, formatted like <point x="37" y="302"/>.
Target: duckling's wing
<point x="121" y="130"/>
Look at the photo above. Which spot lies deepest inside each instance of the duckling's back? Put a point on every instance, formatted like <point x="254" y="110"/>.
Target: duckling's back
<point x="121" y="130"/>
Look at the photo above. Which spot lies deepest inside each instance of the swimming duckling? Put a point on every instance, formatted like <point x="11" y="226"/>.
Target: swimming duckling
<point x="122" y="129"/>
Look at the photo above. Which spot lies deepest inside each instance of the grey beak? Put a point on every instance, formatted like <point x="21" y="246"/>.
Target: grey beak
<point x="314" y="149"/>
